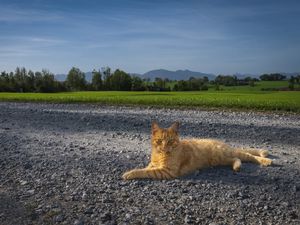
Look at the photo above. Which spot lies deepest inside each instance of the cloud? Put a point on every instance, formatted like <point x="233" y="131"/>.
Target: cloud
<point x="15" y="14"/>
<point x="48" y="41"/>
<point x="18" y="51"/>
<point x="13" y="46"/>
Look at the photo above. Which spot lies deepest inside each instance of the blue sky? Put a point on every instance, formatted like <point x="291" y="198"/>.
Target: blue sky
<point x="224" y="36"/>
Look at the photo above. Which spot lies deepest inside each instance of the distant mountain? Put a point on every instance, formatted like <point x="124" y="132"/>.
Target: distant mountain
<point x="243" y="76"/>
<point x="172" y="75"/>
<point x="176" y="75"/>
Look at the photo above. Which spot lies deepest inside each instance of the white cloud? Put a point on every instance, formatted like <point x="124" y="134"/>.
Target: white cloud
<point x="12" y="46"/>
<point x="13" y="14"/>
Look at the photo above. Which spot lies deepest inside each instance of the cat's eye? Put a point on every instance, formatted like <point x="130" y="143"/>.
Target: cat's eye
<point x="159" y="141"/>
<point x="170" y="141"/>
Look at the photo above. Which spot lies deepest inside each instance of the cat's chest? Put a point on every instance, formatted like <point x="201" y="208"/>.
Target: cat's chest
<point x="161" y="159"/>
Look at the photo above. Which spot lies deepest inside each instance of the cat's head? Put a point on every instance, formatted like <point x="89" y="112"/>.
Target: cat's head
<point x="165" y="139"/>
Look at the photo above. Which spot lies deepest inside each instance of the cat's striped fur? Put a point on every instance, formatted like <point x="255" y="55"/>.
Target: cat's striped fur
<point x="172" y="157"/>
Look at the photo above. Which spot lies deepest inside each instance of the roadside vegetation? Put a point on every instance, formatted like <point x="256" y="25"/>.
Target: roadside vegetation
<point x="271" y="92"/>
<point x="23" y="80"/>
<point x="284" y="101"/>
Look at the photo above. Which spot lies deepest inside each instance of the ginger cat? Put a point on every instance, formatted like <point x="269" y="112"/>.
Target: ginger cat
<point x="172" y="157"/>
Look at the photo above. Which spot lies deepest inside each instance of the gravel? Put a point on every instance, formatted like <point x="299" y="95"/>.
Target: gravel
<point x="62" y="164"/>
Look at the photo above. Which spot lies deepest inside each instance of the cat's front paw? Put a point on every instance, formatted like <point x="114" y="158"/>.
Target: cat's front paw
<point x="266" y="162"/>
<point x="128" y="175"/>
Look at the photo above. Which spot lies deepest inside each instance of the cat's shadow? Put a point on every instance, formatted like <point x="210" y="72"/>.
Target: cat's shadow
<point x="250" y="174"/>
<point x="273" y="157"/>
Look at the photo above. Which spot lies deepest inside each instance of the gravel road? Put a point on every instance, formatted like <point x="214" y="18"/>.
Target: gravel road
<point x="62" y="164"/>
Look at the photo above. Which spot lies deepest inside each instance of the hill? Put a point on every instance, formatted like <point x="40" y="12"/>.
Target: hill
<point x="173" y="75"/>
<point x="176" y="75"/>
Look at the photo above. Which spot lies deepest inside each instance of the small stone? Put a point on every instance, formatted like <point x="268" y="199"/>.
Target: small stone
<point x="59" y="218"/>
<point x="293" y="215"/>
<point x="23" y="182"/>
<point x="285" y="204"/>
<point x="153" y="193"/>
<point x="89" y="210"/>
<point x="78" y="222"/>
<point x="105" y="217"/>
<point x="27" y="166"/>
<point x="84" y="196"/>
<point x="127" y="216"/>
<point x="31" y="192"/>
<point x="188" y="219"/>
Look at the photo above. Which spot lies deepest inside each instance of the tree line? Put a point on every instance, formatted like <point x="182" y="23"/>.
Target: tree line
<point x="22" y="80"/>
<point x="28" y="81"/>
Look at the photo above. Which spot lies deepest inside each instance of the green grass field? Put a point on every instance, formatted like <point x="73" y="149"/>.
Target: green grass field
<point x="258" y="86"/>
<point x="244" y="100"/>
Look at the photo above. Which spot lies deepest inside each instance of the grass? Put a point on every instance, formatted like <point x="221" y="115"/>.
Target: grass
<point x="233" y="99"/>
<point x="258" y="86"/>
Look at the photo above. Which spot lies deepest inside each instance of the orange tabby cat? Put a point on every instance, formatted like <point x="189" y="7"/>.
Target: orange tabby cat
<point x="172" y="157"/>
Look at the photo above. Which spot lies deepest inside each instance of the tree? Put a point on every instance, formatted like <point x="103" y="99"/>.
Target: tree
<point x="137" y="84"/>
<point x="30" y="79"/>
<point x="251" y="83"/>
<point x="45" y="82"/>
<point x="272" y="77"/>
<point x="226" y="80"/>
<point x="5" y="82"/>
<point x="106" y="71"/>
<point x="120" y="81"/>
<point x="196" y="84"/>
<point x="76" y="79"/>
<point x="297" y="79"/>
<point x="23" y="81"/>
<point x="159" y="82"/>
<point x="176" y="88"/>
<point x="97" y="81"/>
<point x="183" y="85"/>
<point x="292" y="83"/>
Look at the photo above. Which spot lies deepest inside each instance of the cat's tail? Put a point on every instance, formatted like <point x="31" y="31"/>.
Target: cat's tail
<point x="254" y="156"/>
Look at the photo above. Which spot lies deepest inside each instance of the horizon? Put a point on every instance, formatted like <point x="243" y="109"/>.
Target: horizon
<point x="214" y="37"/>
<point x="142" y="74"/>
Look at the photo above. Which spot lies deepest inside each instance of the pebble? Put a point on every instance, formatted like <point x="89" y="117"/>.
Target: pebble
<point x="31" y="192"/>
<point x="188" y="219"/>
<point x="89" y="210"/>
<point x="59" y="218"/>
<point x="78" y="222"/>
<point x="105" y="217"/>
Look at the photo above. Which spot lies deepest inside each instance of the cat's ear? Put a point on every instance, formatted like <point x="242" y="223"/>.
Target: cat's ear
<point x="154" y="127"/>
<point x="175" y="127"/>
